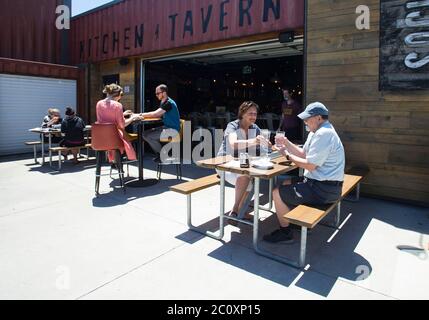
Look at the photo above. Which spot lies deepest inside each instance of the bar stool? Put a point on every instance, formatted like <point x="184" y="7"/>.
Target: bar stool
<point x="133" y="138"/>
<point x="172" y="161"/>
<point x="105" y="137"/>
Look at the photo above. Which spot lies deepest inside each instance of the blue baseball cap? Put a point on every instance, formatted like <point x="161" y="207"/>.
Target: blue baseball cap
<point x="314" y="109"/>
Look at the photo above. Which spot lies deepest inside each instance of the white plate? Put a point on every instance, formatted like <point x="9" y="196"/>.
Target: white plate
<point x="264" y="165"/>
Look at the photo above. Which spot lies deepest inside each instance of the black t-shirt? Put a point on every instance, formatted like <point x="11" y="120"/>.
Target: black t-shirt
<point x="166" y="106"/>
<point x="73" y="128"/>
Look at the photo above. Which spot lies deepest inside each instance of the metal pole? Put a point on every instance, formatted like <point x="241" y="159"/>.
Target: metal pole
<point x="50" y="152"/>
<point x="256" y="213"/>
<point x="43" y="147"/>
<point x="222" y="204"/>
<point x="338" y="215"/>
<point x="142" y="86"/>
<point x="303" y="247"/>
<point x="189" y="208"/>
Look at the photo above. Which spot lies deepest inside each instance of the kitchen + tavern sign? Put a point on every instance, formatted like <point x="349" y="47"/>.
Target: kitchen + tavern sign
<point x="404" y="45"/>
<point x="135" y="27"/>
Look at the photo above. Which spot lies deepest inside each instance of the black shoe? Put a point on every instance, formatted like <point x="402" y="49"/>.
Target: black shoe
<point x="157" y="159"/>
<point x="299" y="228"/>
<point x="284" y="235"/>
<point x="114" y="166"/>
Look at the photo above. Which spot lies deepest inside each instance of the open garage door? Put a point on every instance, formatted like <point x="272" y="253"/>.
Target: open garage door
<point x="213" y="83"/>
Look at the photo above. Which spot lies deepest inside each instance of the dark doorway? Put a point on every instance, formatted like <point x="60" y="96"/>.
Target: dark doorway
<point x="109" y="79"/>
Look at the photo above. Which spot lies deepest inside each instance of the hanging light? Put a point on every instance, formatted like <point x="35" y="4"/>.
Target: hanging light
<point x="275" y="79"/>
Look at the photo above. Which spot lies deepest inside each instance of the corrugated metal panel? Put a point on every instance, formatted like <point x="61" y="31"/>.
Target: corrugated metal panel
<point x="30" y="68"/>
<point x="23" y="104"/>
<point x="28" y="30"/>
<point x="114" y="32"/>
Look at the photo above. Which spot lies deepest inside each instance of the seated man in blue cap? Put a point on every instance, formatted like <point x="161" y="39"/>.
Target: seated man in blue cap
<point x="323" y="160"/>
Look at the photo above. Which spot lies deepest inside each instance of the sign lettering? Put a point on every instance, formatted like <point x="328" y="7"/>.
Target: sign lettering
<point x="404" y="45"/>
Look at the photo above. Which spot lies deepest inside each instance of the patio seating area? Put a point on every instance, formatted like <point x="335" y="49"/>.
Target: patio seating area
<point x="59" y="241"/>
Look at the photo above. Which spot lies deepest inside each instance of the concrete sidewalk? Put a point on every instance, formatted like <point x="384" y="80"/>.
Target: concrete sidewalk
<point x="57" y="241"/>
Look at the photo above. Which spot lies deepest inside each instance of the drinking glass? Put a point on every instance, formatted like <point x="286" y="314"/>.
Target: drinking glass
<point x="265" y="146"/>
<point x="279" y="134"/>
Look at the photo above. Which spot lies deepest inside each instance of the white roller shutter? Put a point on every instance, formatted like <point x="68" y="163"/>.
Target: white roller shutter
<point x="24" y="102"/>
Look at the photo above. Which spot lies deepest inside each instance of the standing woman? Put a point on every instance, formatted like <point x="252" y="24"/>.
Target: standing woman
<point x="110" y="110"/>
<point x="241" y="135"/>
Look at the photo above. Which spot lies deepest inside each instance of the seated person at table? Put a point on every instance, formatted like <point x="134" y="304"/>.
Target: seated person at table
<point x="72" y="127"/>
<point x="109" y="110"/>
<point x="323" y="160"/>
<point x="241" y="135"/>
<point x="169" y="112"/>
<point x="52" y="120"/>
<point x="289" y="122"/>
<point x="130" y="128"/>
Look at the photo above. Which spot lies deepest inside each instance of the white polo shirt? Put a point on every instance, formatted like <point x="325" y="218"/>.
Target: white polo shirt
<point x="324" y="149"/>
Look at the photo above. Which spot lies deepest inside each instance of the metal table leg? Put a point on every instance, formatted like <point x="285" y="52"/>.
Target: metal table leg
<point x="43" y="148"/>
<point x="221" y="213"/>
<point x="270" y="196"/>
<point x="295" y="264"/>
<point x="141" y="182"/>
<point x="50" y="152"/>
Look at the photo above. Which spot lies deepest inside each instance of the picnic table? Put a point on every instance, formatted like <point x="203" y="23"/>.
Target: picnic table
<point x="50" y="132"/>
<point x="228" y="164"/>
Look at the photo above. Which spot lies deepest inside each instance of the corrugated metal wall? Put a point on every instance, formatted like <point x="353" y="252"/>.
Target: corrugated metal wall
<point x="30" y="68"/>
<point x="28" y="31"/>
<point x="135" y="27"/>
<point x="46" y="70"/>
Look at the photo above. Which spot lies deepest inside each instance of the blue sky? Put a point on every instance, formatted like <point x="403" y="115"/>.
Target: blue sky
<point x="80" y="6"/>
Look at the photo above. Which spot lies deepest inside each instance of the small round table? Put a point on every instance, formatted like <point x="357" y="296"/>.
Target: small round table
<point x="141" y="182"/>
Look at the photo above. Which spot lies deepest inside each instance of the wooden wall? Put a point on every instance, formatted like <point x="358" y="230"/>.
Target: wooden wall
<point x="387" y="131"/>
<point x="126" y="78"/>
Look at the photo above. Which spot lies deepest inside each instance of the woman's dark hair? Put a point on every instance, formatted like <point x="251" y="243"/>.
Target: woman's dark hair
<point x="70" y="111"/>
<point x="245" y="106"/>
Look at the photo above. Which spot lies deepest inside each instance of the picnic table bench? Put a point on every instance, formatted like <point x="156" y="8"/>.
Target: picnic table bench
<point x="63" y="149"/>
<point x="305" y="216"/>
<point x="34" y="144"/>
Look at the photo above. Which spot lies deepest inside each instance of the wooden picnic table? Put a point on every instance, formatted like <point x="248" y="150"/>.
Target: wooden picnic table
<point x="49" y="132"/>
<point x="227" y="164"/>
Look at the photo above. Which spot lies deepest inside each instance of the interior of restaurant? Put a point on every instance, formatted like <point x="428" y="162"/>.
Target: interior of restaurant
<point x="209" y="89"/>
